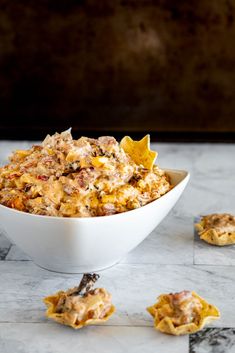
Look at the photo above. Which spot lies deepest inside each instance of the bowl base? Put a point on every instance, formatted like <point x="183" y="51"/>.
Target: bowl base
<point x="74" y="269"/>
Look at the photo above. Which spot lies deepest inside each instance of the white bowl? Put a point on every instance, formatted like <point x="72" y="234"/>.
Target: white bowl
<point x="77" y="245"/>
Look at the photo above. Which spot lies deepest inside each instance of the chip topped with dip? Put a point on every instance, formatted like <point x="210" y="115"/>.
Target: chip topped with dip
<point x="182" y="313"/>
<point x="80" y="306"/>
<point x="217" y="229"/>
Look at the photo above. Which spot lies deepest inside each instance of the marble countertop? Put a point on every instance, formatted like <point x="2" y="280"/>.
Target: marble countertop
<point x="171" y="259"/>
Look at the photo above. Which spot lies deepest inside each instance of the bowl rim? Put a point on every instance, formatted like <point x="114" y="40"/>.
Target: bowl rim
<point x="186" y="176"/>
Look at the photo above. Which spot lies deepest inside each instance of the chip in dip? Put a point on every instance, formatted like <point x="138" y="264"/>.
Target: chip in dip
<point x="82" y="305"/>
<point x="182" y="313"/>
<point x="82" y="178"/>
<point x="217" y="229"/>
<point x="139" y="151"/>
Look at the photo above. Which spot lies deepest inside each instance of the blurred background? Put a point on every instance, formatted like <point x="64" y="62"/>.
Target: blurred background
<point x="113" y="67"/>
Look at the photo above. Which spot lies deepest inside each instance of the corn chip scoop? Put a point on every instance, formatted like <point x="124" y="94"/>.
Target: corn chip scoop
<point x="80" y="306"/>
<point x="139" y="151"/>
<point x="217" y="229"/>
<point x="165" y="322"/>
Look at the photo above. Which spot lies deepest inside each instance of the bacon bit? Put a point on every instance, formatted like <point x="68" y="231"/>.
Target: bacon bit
<point x="90" y="314"/>
<point x="16" y="203"/>
<point x="30" y="164"/>
<point x="177" y="298"/>
<point x="43" y="177"/>
<point x="47" y="160"/>
<point x="84" y="177"/>
<point x="81" y="181"/>
<point x="37" y="148"/>
<point x="109" y="209"/>
<point x="13" y="176"/>
<point x="107" y="140"/>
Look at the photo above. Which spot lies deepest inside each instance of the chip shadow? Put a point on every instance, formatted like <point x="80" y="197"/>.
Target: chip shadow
<point x="3" y="253"/>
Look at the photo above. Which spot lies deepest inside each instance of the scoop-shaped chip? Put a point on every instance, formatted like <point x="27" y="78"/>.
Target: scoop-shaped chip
<point x="216" y="235"/>
<point x="82" y="305"/>
<point x="139" y="151"/>
<point x="208" y="313"/>
<point x="67" y="318"/>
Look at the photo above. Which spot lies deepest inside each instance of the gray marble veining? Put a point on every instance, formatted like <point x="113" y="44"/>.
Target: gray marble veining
<point x="15" y="254"/>
<point x="213" y="340"/>
<point x="4" y="246"/>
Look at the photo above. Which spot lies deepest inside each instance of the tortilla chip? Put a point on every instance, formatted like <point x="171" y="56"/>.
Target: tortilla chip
<point x="62" y="318"/>
<point x="211" y="236"/>
<point x="208" y="313"/>
<point x="139" y="151"/>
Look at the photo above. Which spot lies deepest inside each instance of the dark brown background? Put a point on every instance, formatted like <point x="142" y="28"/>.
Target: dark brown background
<point x="166" y="67"/>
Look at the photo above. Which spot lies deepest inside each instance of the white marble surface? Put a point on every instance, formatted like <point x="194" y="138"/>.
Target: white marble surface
<point x="172" y="258"/>
<point x="134" y="287"/>
<point x="47" y="338"/>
